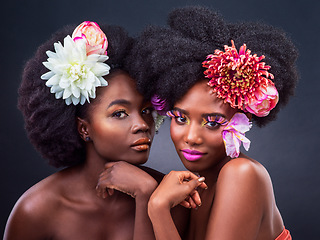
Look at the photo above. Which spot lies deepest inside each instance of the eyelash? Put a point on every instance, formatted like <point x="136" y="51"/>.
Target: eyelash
<point x="216" y="120"/>
<point x="178" y="116"/>
<point x="115" y="114"/>
<point x="120" y="111"/>
<point x="150" y="109"/>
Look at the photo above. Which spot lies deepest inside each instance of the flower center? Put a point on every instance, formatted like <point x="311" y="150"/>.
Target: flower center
<point x="77" y="72"/>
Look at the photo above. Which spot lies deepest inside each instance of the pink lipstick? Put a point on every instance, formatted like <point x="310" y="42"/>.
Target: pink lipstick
<point x="191" y="155"/>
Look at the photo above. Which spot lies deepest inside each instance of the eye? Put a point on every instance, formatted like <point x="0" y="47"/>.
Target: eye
<point x="179" y="117"/>
<point x="147" y="110"/>
<point x="120" y="114"/>
<point x="213" y="122"/>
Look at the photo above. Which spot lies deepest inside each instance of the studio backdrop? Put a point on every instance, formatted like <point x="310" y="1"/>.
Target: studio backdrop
<point x="288" y="147"/>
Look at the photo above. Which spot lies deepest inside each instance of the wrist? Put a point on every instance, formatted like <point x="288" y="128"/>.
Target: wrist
<point x="157" y="205"/>
<point x="146" y="189"/>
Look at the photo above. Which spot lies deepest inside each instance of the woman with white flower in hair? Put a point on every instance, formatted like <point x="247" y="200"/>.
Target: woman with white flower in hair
<point x="213" y="78"/>
<point x="82" y="112"/>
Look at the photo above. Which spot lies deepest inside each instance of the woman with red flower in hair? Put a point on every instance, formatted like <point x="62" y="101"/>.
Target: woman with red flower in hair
<point x="215" y="79"/>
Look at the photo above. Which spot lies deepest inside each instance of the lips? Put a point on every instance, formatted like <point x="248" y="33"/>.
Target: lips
<point x="142" y="144"/>
<point x="191" y="155"/>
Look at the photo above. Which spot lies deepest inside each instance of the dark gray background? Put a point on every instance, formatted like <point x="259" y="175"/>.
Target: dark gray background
<point x="289" y="147"/>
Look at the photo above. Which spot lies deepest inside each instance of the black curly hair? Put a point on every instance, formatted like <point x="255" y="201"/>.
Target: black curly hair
<point x="50" y="123"/>
<point x="170" y="58"/>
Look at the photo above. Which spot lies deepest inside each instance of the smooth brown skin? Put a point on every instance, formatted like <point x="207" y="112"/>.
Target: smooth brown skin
<point x="66" y="204"/>
<point x="239" y="202"/>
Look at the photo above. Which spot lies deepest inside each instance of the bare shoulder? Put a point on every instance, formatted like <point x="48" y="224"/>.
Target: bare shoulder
<point x="247" y="177"/>
<point x="33" y="210"/>
<point x="244" y="169"/>
<point x="243" y="194"/>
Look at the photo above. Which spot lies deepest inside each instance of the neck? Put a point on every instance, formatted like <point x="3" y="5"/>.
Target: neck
<point x="92" y="167"/>
<point x="211" y="174"/>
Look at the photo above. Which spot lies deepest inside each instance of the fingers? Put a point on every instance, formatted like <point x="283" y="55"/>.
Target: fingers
<point x="185" y="204"/>
<point x="184" y="175"/>
<point x="110" y="164"/>
<point x="187" y="176"/>
<point x="104" y="192"/>
<point x="194" y="195"/>
<point x="107" y="185"/>
<point x="203" y="186"/>
<point x="104" y="187"/>
<point x="101" y="192"/>
<point x="188" y="183"/>
<point x="188" y="203"/>
<point x="195" y="183"/>
<point x="192" y="201"/>
<point x="110" y="191"/>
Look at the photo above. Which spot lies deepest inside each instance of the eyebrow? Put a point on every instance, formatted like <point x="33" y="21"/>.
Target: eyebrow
<point x="119" y="102"/>
<point x="213" y="115"/>
<point x="181" y="110"/>
<point x="202" y="115"/>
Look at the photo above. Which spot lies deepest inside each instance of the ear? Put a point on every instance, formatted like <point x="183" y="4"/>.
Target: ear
<point x="82" y="126"/>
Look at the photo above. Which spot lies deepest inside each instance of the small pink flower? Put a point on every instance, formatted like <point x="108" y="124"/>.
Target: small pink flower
<point x="234" y="133"/>
<point x="265" y="100"/>
<point x="96" y="40"/>
<point x="160" y="105"/>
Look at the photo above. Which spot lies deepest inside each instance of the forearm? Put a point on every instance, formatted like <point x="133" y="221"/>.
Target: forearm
<point x="142" y="226"/>
<point x="162" y="222"/>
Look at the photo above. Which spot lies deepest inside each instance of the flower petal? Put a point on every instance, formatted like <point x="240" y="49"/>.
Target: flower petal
<point x="54" y="80"/>
<point x="47" y="75"/>
<point x="66" y="93"/>
<point x="234" y="133"/>
<point x="100" y="69"/>
<point x="68" y="101"/>
<point x="74" y="71"/>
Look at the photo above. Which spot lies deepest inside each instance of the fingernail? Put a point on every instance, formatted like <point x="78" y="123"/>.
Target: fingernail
<point x="201" y="179"/>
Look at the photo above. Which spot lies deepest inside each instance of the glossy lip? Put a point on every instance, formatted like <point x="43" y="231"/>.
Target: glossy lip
<point x="191" y="155"/>
<point x="142" y="144"/>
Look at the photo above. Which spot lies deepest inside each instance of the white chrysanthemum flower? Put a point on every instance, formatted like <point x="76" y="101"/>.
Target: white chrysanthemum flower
<point x="73" y="75"/>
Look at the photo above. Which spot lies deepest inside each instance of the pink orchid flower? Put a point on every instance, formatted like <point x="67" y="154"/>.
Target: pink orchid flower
<point x="234" y="133"/>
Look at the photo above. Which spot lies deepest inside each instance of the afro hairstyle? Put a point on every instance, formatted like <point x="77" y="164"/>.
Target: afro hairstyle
<point x="170" y="58"/>
<point x="51" y="124"/>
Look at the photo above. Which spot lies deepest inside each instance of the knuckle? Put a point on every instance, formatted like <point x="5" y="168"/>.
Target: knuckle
<point x="190" y="187"/>
<point x="173" y="172"/>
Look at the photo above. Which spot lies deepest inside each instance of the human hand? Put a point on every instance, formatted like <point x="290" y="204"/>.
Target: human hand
<point x="179" y="187"/>
<point x="126" y="178"/>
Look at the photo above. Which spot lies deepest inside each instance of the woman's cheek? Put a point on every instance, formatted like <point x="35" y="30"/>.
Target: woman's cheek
<point x="176" y="132"/>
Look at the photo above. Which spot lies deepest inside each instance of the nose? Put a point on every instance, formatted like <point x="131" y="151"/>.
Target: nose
<point x="193" y="135"/>
<point x="139" y="125"/>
